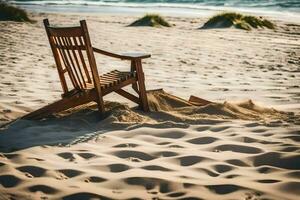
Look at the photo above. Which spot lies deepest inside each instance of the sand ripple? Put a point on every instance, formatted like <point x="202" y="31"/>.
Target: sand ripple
<point x="234" y="162"/>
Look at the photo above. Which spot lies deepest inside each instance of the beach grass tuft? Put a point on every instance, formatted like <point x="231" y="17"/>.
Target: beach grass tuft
<point x="11" y="13"/>
<point x="153" y="20"/>
<point x="237" y="20"/>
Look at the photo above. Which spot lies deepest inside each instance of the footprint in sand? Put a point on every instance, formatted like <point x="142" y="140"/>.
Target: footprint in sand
<point x="222" y="168"/>
<point x="70" y="173"/>
<point x="275" y="159"/>
<point x="172" y="134"/>
<point x="224" y="189"/>
<point x="67" y="155"/>
<point x="202" y="140"/>
<point x="126" y="145"/>
<point x="43" y="188"/>
<point x="95" y="179"/>
<point x="176" y="194"/>
<point x="165" y="154"/>
<point x="133" y="154"/>
<point x="115" y="168"/>
<point x="150" y="183"/>
<point x="191" y="160"/>
<point x="239" y="149"/>
<point x="237" y="163"/>
<point x="268" y="181"/>
<point x="156" y="168"/>
<point x="87" y="156"/>
<point x="84" y="195"/>
<point x="32" y="171"/>
<point x="208" y="172"/>
<point x="9" y="181"/>
<point x="291" y="187"/>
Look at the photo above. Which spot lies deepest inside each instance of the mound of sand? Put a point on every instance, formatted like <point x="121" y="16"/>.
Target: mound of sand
<point x="164" y="102"/>
<point x="82" y="123"/>
<point x="152" y="20"/>
<point x="12" y="13"/>
<point x="231" y="19"/>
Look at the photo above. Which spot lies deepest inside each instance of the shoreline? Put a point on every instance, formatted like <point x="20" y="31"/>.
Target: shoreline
<point x="168" y="10"/>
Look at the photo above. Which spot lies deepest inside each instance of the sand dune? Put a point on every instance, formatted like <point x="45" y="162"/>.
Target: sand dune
<point x="234" y="148"/>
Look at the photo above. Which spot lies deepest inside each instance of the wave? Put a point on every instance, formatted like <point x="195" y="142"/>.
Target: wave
<point x="292" y="6"/>
<point x="222" y="3"/>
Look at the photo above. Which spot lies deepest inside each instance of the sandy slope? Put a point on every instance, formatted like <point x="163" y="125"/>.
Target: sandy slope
<point x="219" y="151"/>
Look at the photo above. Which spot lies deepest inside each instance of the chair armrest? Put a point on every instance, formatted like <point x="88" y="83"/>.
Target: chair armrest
<point x="136" y="55"/>
<point x="124" y="56"/>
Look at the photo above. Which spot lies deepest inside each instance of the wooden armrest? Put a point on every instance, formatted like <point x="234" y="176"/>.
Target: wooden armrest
<point x="136" y="55"/>
<point x="124" y="56"/>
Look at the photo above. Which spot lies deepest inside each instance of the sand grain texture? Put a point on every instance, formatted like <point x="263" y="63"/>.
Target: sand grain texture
<point x="235" y="148"/>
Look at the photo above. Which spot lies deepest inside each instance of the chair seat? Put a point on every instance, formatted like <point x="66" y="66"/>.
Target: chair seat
<point x="114" y="78"/>
<point x="107" y="80"/>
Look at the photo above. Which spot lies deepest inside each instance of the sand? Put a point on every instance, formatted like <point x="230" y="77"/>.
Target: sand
<point x="244" y="145"/>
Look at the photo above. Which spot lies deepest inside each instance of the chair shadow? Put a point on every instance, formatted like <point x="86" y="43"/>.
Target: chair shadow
<point x="53" y="130"/>
<point x="85" y="123"/>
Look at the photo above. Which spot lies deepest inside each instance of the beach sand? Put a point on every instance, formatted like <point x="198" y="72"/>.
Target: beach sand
<point x="245" y="145"/>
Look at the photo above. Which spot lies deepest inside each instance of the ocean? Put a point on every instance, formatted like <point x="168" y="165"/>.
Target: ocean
<point x="188" y="7"/>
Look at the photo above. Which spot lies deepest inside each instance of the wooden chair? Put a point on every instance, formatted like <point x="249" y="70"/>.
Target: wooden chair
<point x="78" y="73"/>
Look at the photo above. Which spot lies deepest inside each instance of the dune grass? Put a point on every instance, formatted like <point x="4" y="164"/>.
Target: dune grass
<point x="12" y="13"/>
<point x="153" y="20"/>
<point x="237" y="20"/>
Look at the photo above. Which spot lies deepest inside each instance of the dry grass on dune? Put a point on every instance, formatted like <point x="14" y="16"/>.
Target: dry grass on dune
<point x="237" y="20"/>
<point x="153" y="20"/>
<point x="12" y="13"/>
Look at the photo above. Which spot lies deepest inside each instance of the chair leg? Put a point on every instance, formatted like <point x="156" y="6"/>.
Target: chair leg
<point x="100" y="104"/>
<point x="99" y="96"/>
<point x="142" y="89"/>
<point x="134" y="85"/>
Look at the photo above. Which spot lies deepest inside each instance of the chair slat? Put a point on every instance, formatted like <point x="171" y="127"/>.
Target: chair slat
<point x="65" y="32"/>
<point x="76" y="47"/>
<point x="81" y="43"/>
<point x="79" y="83"/>
<point x="115" y="77"/>
<point x="69" y="40"/>
<point x="66" y="62"/>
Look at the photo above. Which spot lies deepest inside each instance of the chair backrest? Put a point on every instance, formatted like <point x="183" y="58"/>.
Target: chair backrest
<point x="73" y="54"/>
